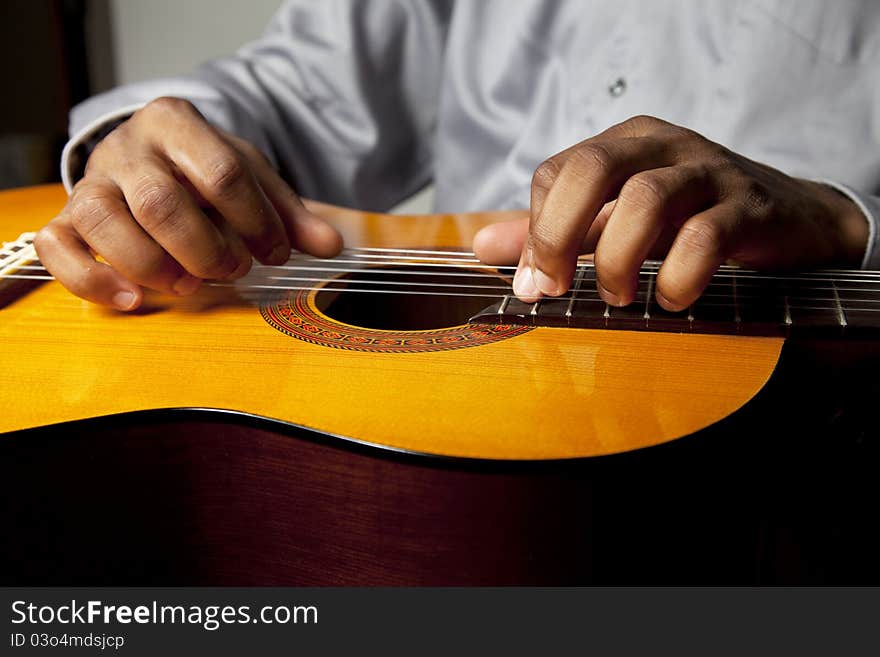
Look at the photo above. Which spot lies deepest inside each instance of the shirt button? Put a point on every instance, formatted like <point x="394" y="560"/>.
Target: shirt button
<point x="617" y="87"/>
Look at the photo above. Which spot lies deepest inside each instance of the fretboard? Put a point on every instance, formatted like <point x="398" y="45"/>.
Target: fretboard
<point x="16" y="259"/>
<point x="737" y="301"/>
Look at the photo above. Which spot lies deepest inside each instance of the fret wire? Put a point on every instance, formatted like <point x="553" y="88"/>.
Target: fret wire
<point x="841" y="316"/>
<point x="578" y="281"/>
<point x="736" y="316"/>
<point x="648" y="295"/>
<point x="504" y="303"/>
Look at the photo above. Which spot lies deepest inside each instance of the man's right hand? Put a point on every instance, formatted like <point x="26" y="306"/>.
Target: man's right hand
<point x="166" y="201"/>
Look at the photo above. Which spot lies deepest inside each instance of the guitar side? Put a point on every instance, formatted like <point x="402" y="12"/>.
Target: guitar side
<point x="549" y="393"/>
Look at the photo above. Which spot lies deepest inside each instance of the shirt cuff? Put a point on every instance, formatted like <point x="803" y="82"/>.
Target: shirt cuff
<point x="870" y="207"/>
<point x="77" y="150"/>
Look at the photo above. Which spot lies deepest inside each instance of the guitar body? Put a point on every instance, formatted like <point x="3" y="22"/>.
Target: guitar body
<point x="246" y="435"/>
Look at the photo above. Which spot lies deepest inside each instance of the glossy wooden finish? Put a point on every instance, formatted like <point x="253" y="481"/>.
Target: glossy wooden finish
<point x="548" y="394"/>
<point x="782" y="491"/>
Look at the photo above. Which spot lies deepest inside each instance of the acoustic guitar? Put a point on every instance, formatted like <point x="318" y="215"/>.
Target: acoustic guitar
<point x="395" y="416"/>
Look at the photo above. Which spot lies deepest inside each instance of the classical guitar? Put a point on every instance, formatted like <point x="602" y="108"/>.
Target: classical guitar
<point x="403" y="348"/>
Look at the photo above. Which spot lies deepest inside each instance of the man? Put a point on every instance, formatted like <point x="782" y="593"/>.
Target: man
<point x="362" y="103"/>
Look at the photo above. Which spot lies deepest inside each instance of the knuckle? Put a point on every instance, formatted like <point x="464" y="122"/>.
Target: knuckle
<point x="701" y="236"/>
<point x="645" y="123"/>
<point x="683" y="134"/>
<point x="226" y="175"/>
<point x="155" y="205"/>
<point x="716" y="156"/>
<point x="546" y="241"/>
<point x="89" y="212"/>
<point x="545" y="175"/>
<point x="591" y="160"/>
<point x="165" y="105"/>
<point x="646" y="190"/>
<point x="46" y="238"/>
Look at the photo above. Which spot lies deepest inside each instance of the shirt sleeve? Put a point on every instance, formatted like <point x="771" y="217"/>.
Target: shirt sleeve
<point x="870" y="207"/>
<point x="342" y="96"/>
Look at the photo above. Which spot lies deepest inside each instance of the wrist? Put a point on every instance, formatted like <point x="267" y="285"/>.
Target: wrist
<point x="79" y="147"/>
<point x="847" y="225"/>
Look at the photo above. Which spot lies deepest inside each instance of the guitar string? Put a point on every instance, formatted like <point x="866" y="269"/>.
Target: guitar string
<point x="712" y="284"/>
<point x="649" y="267"/>
<point x="744" y="275"/>
<point x="471" y="254"/>
<point x="467" y="257"/>
<point x="794" y="294"/>
<point x="347" y="288"/>
<point x="744" y="282"/>
<point x="866" y="275"/>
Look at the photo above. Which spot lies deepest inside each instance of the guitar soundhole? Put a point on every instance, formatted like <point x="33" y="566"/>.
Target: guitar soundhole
<point x="409" y="299"/>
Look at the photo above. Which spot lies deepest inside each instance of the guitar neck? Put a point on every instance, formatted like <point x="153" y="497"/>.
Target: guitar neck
<point x="824" y="303"/>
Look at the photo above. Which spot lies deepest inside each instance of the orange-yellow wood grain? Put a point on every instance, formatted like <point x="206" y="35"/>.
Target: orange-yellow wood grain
<point x="550" y="393"/>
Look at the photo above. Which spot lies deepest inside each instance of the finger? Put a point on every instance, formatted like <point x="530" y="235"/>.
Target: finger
<point x="501" y="243"/>
<point x="236" y="245"/>
<point x="635" y="127"/>
<point x="68" y="259"/>
<point x="576" y="191"/>
<point x="102" y="220"/>
<point x="648" y="202"/>
<point x="306" y="231"/>
<point x="596" y="228"/>
<point x="223" y="178"/>
<point x="172" y="218"/>
<point x="700" y="247"/>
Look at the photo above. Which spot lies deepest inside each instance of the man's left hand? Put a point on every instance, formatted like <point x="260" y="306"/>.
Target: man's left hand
<point x="648" y="189"/>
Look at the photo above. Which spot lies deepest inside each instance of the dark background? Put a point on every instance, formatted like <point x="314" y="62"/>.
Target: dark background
<point x="53" y="54"/>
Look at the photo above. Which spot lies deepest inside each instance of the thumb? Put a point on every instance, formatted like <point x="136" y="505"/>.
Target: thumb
<point x="502" y="243"/>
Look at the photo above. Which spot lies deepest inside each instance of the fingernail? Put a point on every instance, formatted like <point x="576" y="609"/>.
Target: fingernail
<point x="666" y="304"/>
<point x="124" y="299"/>
<point x="524" y="285"/>
<point x="546" y="284"/>
<point x="609" y="297"/>
<point x="186" y="284"/>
